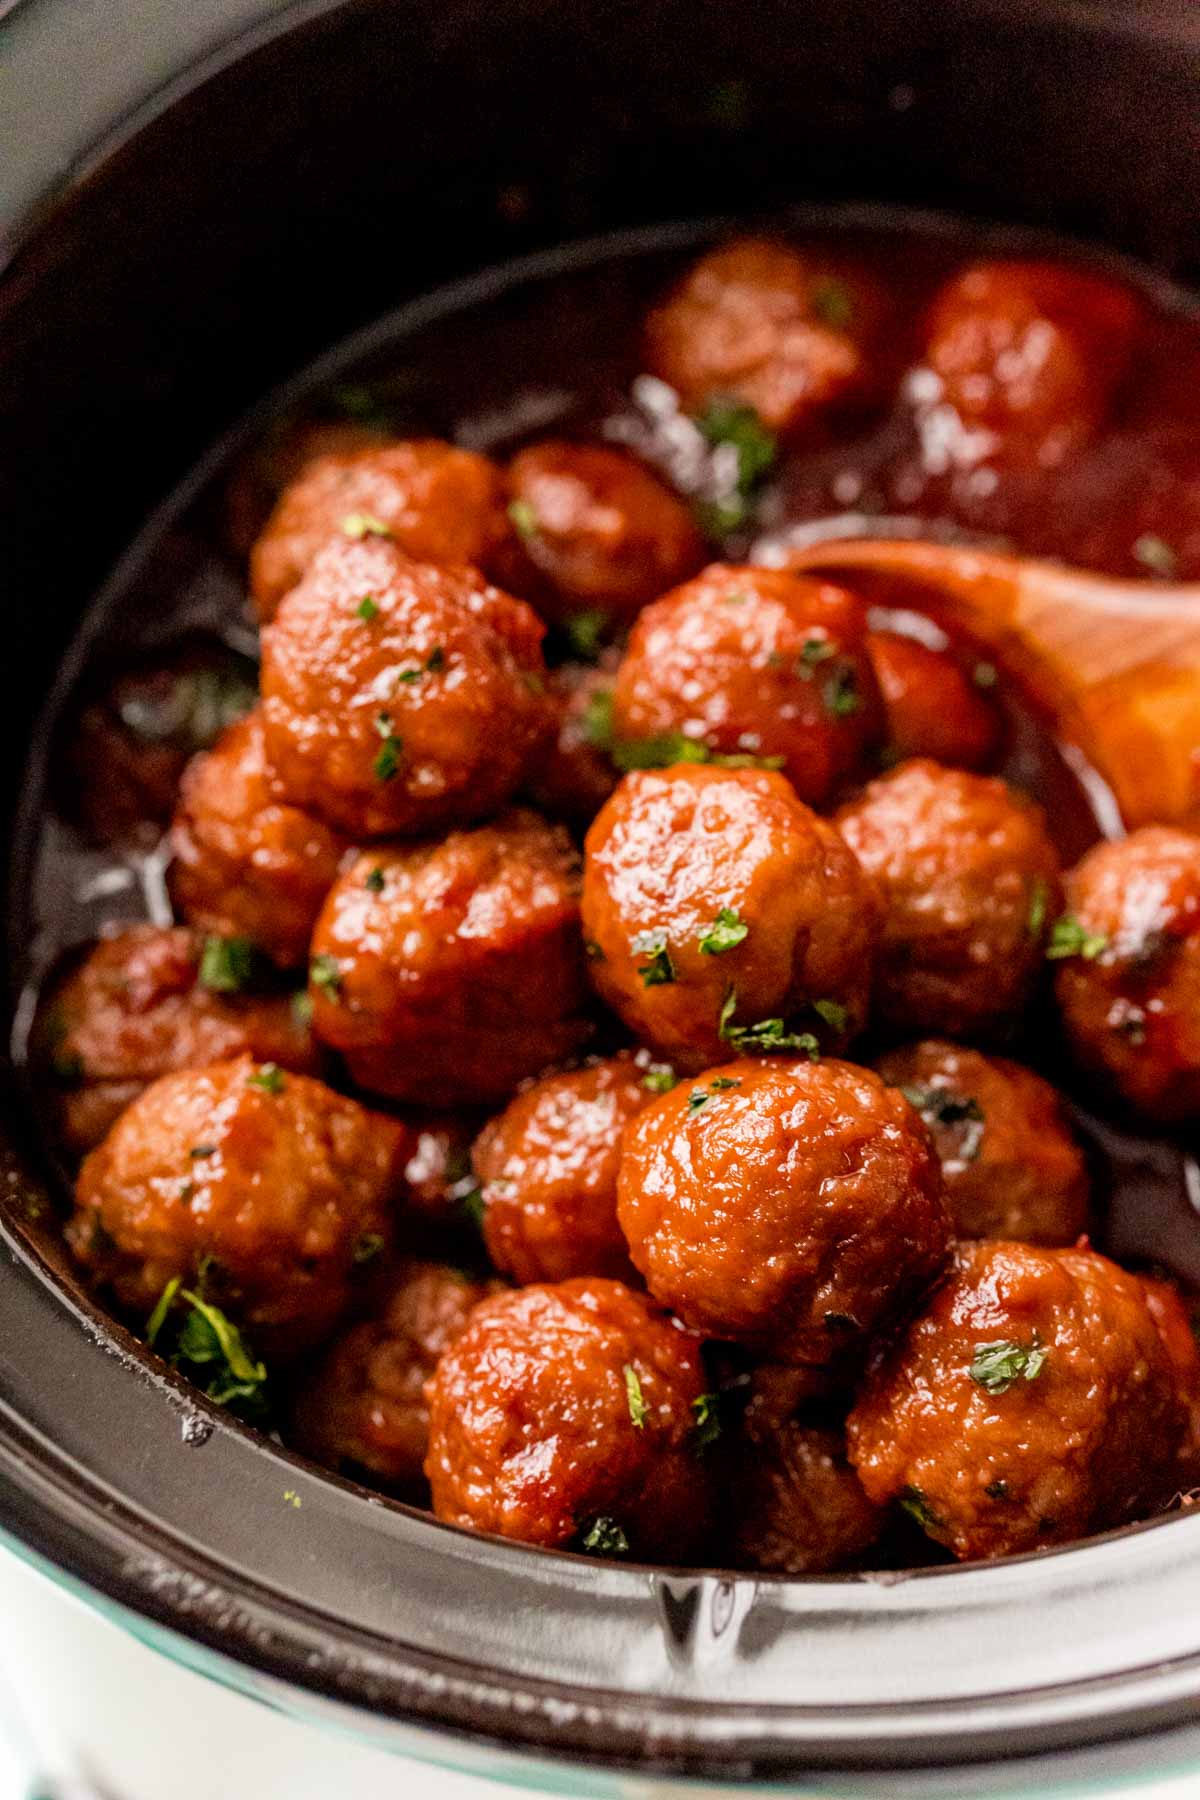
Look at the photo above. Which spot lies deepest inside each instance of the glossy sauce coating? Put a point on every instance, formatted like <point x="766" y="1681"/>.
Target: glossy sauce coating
<point x="548" y="1170"/>
<point x="364" y="1407"/>
<point x="791" y="1206"/>
<point x="932" y="705"/>
<point x="447" y="972"/>
<point x="1082" y="1439"/>
<point x="399" y="697"/>
<point x="759" y="663"/>
<point x="1012" y="1165"/>
<point x="561" y="1406"/>
<point x="695" y="854"/>
<point x="273" y="1177"/>
<point x="970" y="881"/>
<point x="576" y="776"/>
<point x="1130" y="992"/>
<point x="244" y="863"/>
<point x="798" y="1506"/>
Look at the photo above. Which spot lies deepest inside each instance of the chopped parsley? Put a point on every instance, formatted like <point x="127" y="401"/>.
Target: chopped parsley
<point x="269" y="1078"/>
<point x="302" y="1009"/>
<point x="727" y="930"/>
<point x="325" y="974"/>
<point x="659" y="1078"/>
<point x="766" y="1037"/>
<point x="365" y="525"/>
<point x="633" y="1395"/>
<point x="202" y="1152"/>
<point x="1155" y="554"/>
<point x="998" y="1365"/>
<point x="707" y="1411"/>
<point x="604" y="1537"/>
<point x="672" y="747"/>
<point x="816" y="650"/>
<point x="374" y="881"/>
<point x="997" y="1490"/>
<point x="832" y="303"/>
<point x="367" y="1247"/>
<point x="388" y="761"/>
<point x="1039" y="897"/>
<point x="916" y="1505"/>
<point x="367" y="609"/>
<point x="210" y="1350"/>
<point x="730" y="422"/>
<point x="841" y="692"/>
<point x="597" y="719"/>
<point x="584" y="632"/>
<point x="659" y="971"/>
<point x="1069" y="938"/>
<point x="835" y="1015"/>
<point x="227" y="965"/>
<point x="985" y="675"/>
<point x="701" y="1096"/>
<point x="433" y="662"/>
<point x="943" y="1106"/>
<point x="474" y="1205"/>
<point x="524" y="519"/>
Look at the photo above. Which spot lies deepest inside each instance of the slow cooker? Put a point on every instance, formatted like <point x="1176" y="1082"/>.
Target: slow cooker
<point x="193" y="203"/>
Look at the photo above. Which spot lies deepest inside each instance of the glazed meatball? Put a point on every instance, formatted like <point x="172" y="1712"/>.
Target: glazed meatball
<point x="601" y="529"/>
<point x="397" y="697"/>
<point x="363" y="1409"/>
<point x="437" y="1176"/>
<point x="287" y="450"/>
<point x="798" y="1507"/>
<point x="548" y="1170"/>
<point x="448" y="972"/>
<point x="1032" y="1402"/>
<point x="787" y="333"/>
<point x="245" y="863"/>
<point x="137" y="1007"/>
<point x="719" y="911"/>
<point x="435" y="503"/>
<point x="565" y="1416"/>
<point x="269" y="1182"/>
<point x="1174" y="1315"/>
<point x="1012" y="1166"/>
<point x="758" y="663"/>
<point x="970" y="881"/>
<point x="790" y="1206"/>
<point x="1128" y="968"/>
<point x="932" y="706"/>
<point x="576" y="775"/>
<point x="1029" y="355"/>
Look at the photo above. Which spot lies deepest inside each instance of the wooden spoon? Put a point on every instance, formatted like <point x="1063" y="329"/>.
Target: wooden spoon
<point x="1118" y="662"/>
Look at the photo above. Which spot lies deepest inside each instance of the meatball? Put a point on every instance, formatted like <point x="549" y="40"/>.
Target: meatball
<point x="785" y="332"/>
<point x="435" y="503"/>
<point x="363" y="1409"/>
<point x="601" y="529"/>
<point x="289" y="447"/>
<point x="798" y="1506"/>
<point x="756" y="663"/>
<point x="1128" y="968"/>
<point x="1032" y="1402"/>
<point x="437" y="1175"/>
<point x="138" y="1007"/>
<point x="1012" y="1166"/>
<point x="1029" y="356"/>
<point x="790" y="1206"/>
<point x="269" y="1183"/>
<point x="577" y="775"/>
<point x="448" y="972"/>
<point x="933" y="707"/>
<point x="548" y="1170"/>
<point x="970" y="882"/>
<point x="245" y="863"/>
<point x="719" y="911"/>
<point x="1174" y="1317"/>
<point x="565" y="1415"/>
<point x="397" y="697"/>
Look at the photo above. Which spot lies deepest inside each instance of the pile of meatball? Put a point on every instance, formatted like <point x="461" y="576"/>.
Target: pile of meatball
<point x="582" y="1086"/>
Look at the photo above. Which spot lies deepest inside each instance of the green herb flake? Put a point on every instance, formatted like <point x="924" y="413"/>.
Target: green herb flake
<point x="767" y="1037"/>
<point x="701" y="1096"/>
<point x="916" y="1505"/>
<point x="659" y="971"/>
<point x="202" y="1152"/>
<point x="435" y="662"/>
<point x="1068" y="938"/>
<point x="638" y="1410"/>
<point x="367" y="609"/>
<point x="326" y="975"/>
<point x="387" y="762"/>
<point x="364" y="525"/>
<point x="945" y="1106"/>
<point x="996" y="1366"/>
<point x="374" y="881"/>
<point x="985" y="675"/>
<point x="227" y="964"/>
<point x="302" y="1009"/>
<point x="597" y="719"/>
<point x="212" y="1351"/>
<point x="524" y="519"/>
<point x="604" y="1537"/>
<point x="1156" y="555"/>
<point x="832" y="303"/>
<point x="584" y="632"/>
<point x="835" y="1015"/>
<point x="269" y="1078"/>
<point x="706" y="1409"/>
<point x="718" y="518"/>
<point x="841" y="694"/>
<point x="727" y="930"/>
<point x="730" y="422"/>
<point x="474" y="1206"/>
<point x="367" y="1247"/>
<point x="659" y="1078"/>
<point x="68" y="1067"/>
<point x="997" y="1490"/>
<point x="815" y="651"/>
<point x="158" y="1317"/>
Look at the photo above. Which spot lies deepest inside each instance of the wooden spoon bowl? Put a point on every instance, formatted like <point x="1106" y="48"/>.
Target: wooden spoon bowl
<point x="1116" y="662"/>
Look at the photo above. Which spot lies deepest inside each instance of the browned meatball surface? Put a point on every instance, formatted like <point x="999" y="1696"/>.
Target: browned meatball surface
<point x="970" y="883"/>
<point x="785" y="332"/>
<point x="565" y="1415"/>
<point x="1175" y="1316"/>
<point x="137" y="1007"/>
<point x="399" y="697"/>
<point x="434" y="502"/>
<point x="271" y="1181"/>
<point x="794" y="1207"/>
<point x="245" y="863"/>
<point x="721" y="914"/>
<point x="933" y="706"/>
<point x="798" y="1507"/>
<point x="548" y="1170"/>
<point x="599" y="527"/>
<point x="1012" y="1165"/>
<point x="437" y="1176"/>
<point x="576" y="775"/>
<point x="1128" y="968"/>
<point x="1032" y="1402"/>
<point x="758" y="663"/>
<point x="447" y="972"/>
<point x="363" y="1409"/>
